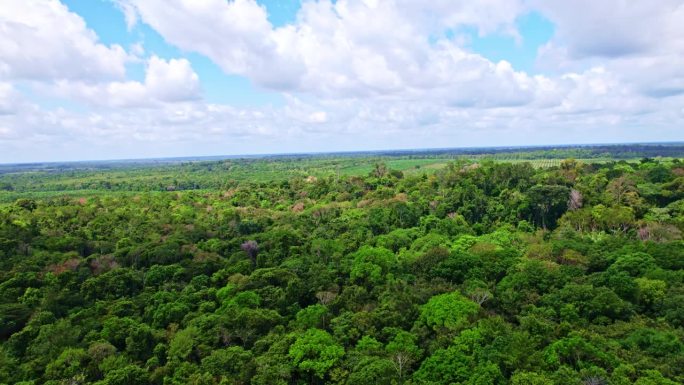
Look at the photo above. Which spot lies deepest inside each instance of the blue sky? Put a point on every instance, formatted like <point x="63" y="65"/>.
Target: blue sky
<point x="106" y="79"/>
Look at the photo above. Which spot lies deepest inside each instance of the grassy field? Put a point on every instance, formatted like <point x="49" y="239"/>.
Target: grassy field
<point x="417" y="166"/>
<point x="213" y="175"/>
<point x="363" y="167"/>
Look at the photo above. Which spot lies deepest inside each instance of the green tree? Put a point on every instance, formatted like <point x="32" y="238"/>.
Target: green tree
<point x="69" y="366"/>
<point x="233" y="363"/>
<point x="530" y="378"/>
<point x="182" y="344"/>
<point x="650" y="292"/>
<point x="548" y="203"/>
<point x="403" y="352"/>
<point x="448" y="312"/>
<point x="128" y="375"/>
<point x="315" y="352"/>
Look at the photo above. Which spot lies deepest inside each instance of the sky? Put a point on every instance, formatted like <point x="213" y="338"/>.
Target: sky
<point x="122" y="79"/>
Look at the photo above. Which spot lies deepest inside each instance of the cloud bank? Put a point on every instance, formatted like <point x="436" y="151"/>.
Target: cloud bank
<point x="353" y="74"/>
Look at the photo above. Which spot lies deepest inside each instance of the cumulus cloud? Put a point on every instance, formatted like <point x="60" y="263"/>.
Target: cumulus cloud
<point x="614" y="28"/>
<point x="42" y="40"/>
<point x="401" y="48"/>
<point x="197" y="127"/>
<point x="235" y="34"/>
<point x="355" y="74"/>
<point x="166" y="81"/>
<point x="640" y="43"/>
<point x="172" y="80"/>
<point x="348" y="48"/>
<point x="8" y="98"/>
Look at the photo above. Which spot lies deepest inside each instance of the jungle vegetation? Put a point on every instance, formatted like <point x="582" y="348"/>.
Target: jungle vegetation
<point x="478" y="271"/>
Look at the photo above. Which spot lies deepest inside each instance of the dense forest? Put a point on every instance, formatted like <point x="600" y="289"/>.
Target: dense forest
<point x="475" y="272"/>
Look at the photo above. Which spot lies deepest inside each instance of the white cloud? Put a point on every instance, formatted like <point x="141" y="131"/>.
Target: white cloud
<point x="614" y="28"/>
<point x="8" y="98"/>
<point x="401" y="48"/>
<point x="235" y="34"/>
<point x="639" y="43"/>
<point x="347" y="49"/>
<point x="42" y="40"/>
<point x="318" y="117"/>
<point x="165" y="82"/>
<point x="356" y="74"/>
<point x="129" y="12"/>
<point x="588" y="114"/>
<point x="172" y="80"/>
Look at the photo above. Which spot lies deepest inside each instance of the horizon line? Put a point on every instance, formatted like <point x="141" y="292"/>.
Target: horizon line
<point x="199" y="158"/>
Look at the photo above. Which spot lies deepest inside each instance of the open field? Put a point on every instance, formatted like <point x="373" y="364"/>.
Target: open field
<point x="93" y="178"/>
<point x="212" y="175"/>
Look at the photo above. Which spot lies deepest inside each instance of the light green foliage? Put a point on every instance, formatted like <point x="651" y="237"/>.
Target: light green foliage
<point x="655" y="342"/>
<point x="315" y="352"/>
<point x="403" y="352"/>
<point x="448" y="312"/>
<point x="653" y="377"/>
<point x="486" y="373"/>
<point x="311" y="317"/>
<point x="650" y="292"/>
<point x="182" y="344"/>
<point x="530" y="378"/>
<point x="370" y="264"/>
<point x="398" y="239"/>
<point x="128" y="375"/>
<point x="369" y="345"/>
<point x="69" y="364"/>
<point x="577" y="352"/>
<point x="635" y="264"/>
<point x="445" y="366"/>
<point x="372" y="371"/>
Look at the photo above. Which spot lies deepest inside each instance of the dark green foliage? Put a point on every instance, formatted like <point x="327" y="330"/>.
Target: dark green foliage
<point x="284" y="272"/>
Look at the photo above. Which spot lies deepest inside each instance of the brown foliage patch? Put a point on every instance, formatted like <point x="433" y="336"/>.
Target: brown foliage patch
<point x="573" y="258"/>
<point x="70" y="264"/>
<point x="657" y="232"/>
<point x="401" y="197"/>
<point x="471" y="167"/>
<point x="298" y="207"/>
<point x="482" y="248"/>
<point x="363" y="203"/>
<point x="230" y="193"/>
<point x="103" y="264"/>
